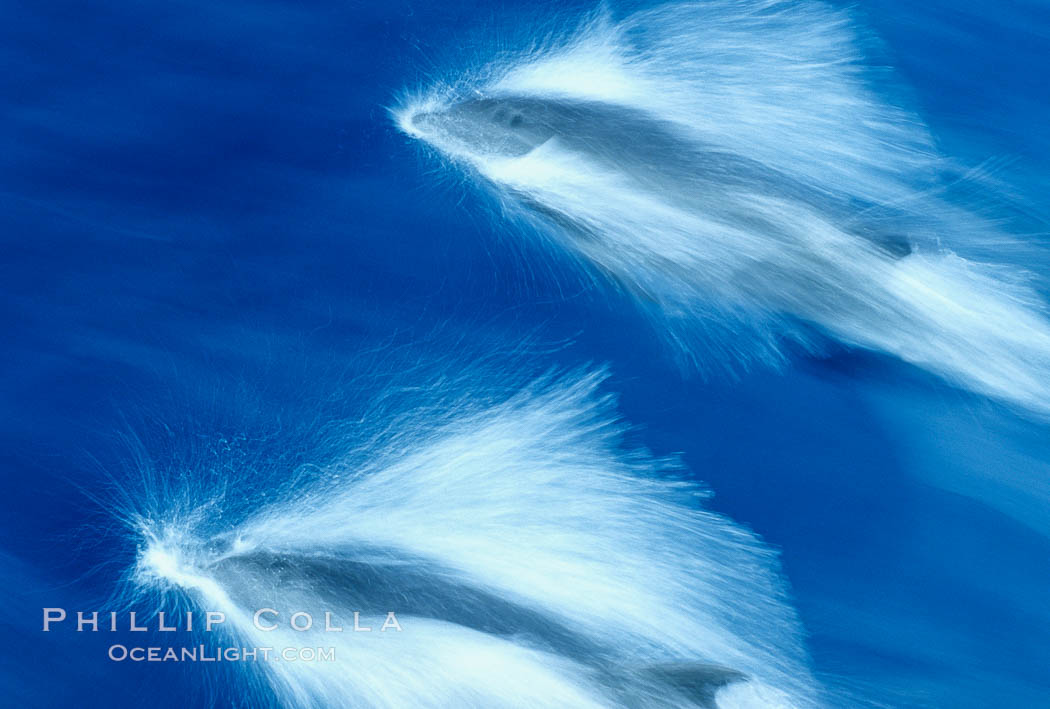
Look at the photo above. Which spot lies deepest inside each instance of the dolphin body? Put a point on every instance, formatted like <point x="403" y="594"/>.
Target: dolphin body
<point x="373" y="581"/>
<point x="531" y="559"/>
<point x="684" y="182"/>
<point x="650" y="152"/>
<point x="675" y="175"/>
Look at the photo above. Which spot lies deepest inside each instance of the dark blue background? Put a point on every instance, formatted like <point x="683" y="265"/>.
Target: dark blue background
<point x="202" y="199"/>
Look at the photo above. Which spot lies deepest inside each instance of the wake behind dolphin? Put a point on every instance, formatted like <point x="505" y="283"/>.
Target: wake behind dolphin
<point x="730" y="164"/>
<point x="528" y="557"/>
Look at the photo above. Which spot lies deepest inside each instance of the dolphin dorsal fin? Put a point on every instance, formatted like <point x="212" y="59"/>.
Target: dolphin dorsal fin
<point x="699" y="681"/>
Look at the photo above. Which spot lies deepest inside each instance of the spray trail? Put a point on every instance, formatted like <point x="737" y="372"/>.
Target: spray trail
<point x="730" y="164"/>
<point x="530" y="559"/>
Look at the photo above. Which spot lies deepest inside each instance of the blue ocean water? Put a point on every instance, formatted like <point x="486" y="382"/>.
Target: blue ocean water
<point x="210" y="223"/>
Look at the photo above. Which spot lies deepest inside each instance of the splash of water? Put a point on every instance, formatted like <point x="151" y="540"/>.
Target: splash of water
<point x="530" y="558"/>
<point x="732" y="166"/>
